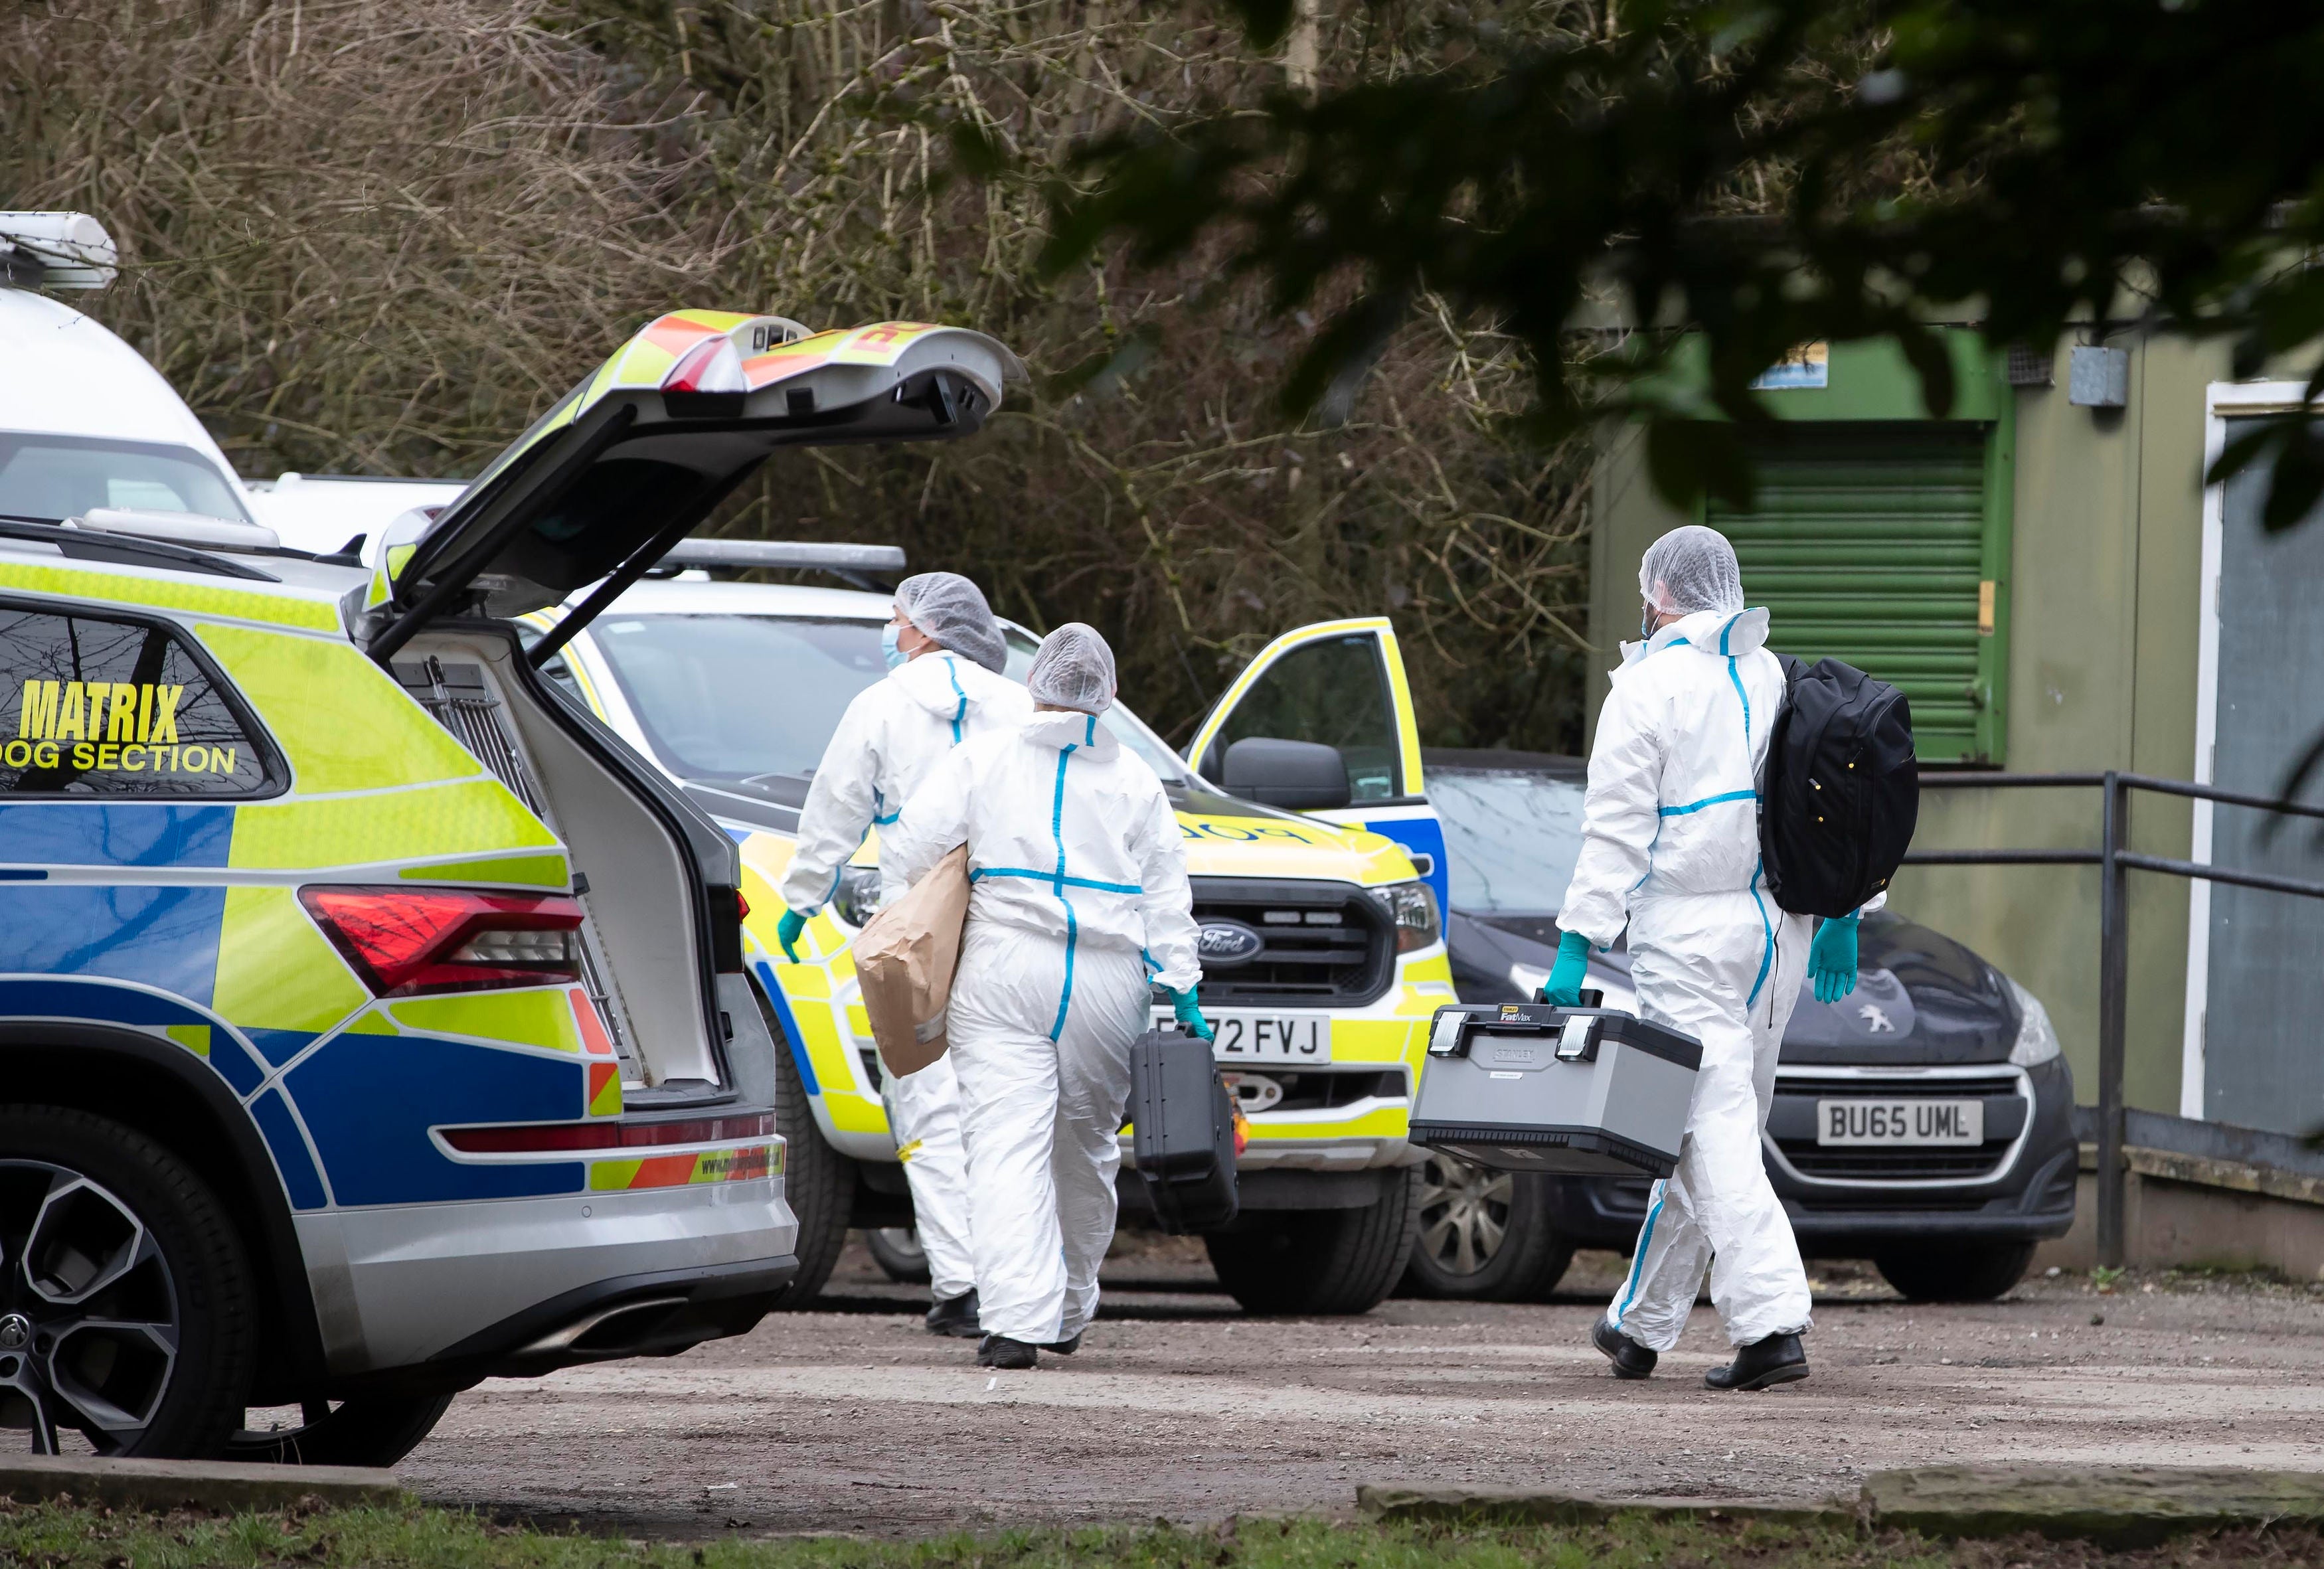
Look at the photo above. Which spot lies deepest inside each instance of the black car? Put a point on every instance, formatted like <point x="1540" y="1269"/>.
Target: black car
<point x="1954" y="1219"/>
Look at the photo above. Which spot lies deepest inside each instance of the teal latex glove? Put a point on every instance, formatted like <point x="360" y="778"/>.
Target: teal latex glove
<point x="1831" y="959"/>
<point x="1564" y="987"/>
<point x="1190" y="1014"/>
<point x="787" y="932"/>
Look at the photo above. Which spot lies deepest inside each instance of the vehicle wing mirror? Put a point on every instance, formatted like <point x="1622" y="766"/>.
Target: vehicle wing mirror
<point x="1300" y="776"/>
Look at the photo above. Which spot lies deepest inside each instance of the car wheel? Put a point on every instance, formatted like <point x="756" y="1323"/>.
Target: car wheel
<point x="1483" y="1236"/>
<point x="125" y="1301"/>
<point x="375" y="1430"/>
<point x="897" y="1250"/>
<point x="1955" y="1271"/>
<point x="818" y="1181"/>
<point x="1330" y="1261"/>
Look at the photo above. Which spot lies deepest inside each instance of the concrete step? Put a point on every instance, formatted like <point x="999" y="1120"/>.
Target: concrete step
<point x="2112" y="1506"/>
<point x="210" y="1485"/>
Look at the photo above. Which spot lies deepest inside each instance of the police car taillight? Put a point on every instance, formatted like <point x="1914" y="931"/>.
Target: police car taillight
<point x="533" y="1138"/>
<point x="403" y="941"/>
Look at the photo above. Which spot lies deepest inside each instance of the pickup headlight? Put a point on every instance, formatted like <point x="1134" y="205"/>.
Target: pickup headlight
<point x="1412" y="906"/>
<point x="857" y="894"/>
<point x="2037" y="1042"/>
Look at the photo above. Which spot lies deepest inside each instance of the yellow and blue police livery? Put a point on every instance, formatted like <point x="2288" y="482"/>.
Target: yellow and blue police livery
<point x="375" y="1019"/>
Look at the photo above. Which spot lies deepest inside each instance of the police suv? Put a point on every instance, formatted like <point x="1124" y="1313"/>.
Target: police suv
<point x="373" y="1020"/>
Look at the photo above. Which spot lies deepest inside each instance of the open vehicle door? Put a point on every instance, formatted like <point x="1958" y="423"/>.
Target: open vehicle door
<point x="640" y="452"/>
<point x="1339" y="684"/>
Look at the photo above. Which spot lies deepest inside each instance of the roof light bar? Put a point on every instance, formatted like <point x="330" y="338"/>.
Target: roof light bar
<point x="785" y="553"/>
<point x="56" y="250"/>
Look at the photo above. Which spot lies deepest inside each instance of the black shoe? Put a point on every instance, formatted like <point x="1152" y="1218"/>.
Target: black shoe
<point x="1063" y="1348"/>
<point x="1762" y="1365"/>
<point x="1630" y="1360"/>
<point x="954" y="1317"/>
<point x="995" y="1351"/>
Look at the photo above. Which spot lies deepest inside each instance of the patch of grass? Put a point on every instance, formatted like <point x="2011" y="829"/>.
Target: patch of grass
<point x="66" y="1537"/>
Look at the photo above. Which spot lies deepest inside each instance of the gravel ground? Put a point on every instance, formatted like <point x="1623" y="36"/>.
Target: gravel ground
<point x="853" y="1419"/>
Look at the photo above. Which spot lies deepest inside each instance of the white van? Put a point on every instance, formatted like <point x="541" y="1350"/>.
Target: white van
<point x="86" y="425"/>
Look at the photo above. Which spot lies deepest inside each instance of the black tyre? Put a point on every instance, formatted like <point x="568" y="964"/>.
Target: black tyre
<point x="818" y="1181"/>
<point x="1484" y="1235"/>
<point x="377" y="1430"/>
<point x="897" y="1250"/>
<point x="1955" y="1271"/>
<point x="1327" y="1262"/>
<point x="125" y="1300"/>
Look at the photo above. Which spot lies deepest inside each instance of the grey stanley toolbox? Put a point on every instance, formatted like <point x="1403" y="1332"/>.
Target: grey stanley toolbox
<point x="1525" y="1087"/>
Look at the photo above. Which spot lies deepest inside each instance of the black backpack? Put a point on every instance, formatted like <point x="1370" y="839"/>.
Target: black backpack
<point x="1842" y="789"/>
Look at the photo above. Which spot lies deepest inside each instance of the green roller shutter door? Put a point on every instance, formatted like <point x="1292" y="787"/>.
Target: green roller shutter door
<point x="1870" y="544"/>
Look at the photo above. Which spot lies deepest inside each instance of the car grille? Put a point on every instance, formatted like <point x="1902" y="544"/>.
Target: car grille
<point x="1872" y="1165"/>
<point x="1323" y="944"/>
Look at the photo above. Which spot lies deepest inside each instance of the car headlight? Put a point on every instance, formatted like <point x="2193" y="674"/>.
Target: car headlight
<point x="2037" y="1042"/>
<point x="857" y="894"/>
<point x="1412" y="906"/>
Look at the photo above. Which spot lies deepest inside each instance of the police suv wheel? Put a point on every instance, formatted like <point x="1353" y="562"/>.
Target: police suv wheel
<point x="374" y="1430"/>
<point x="897" y="1250"/>
<point x="1485" y="1235"/>
<point x="125" y="1301"/>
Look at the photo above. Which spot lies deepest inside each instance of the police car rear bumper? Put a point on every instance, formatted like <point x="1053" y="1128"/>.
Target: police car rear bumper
<point x="446" y="1294"/>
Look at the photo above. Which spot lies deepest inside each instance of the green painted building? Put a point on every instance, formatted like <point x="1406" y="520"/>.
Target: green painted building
<point x="2034" y="574"/>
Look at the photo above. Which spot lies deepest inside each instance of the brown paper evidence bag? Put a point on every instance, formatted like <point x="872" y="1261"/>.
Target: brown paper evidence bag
<point x="904" y="957"/>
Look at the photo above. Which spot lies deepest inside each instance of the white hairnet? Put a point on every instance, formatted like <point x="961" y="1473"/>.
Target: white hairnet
<point x="1074" y="669"/>
<point x="951" y="610"/>
<point x="1690" y="569"/>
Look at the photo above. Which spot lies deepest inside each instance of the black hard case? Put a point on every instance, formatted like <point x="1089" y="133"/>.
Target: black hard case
<point x="1182" y="1131"/>
<point x="1506" y="1086"/>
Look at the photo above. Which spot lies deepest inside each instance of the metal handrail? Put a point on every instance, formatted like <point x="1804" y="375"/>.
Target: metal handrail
<point x="2114" y="858"/>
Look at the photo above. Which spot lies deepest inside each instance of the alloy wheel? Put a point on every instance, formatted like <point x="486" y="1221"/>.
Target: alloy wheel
<point x="1464" y="1212"/>
<point x="89" y="1315"/>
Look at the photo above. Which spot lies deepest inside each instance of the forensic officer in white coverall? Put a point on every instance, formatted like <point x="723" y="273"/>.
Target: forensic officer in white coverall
<point x="1078" y="905"/>
<point x="1671" y="849"/>
<point x="945" y="653"/>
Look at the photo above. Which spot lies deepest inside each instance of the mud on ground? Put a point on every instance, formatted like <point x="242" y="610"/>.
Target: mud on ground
<point x="850" y="1418"/>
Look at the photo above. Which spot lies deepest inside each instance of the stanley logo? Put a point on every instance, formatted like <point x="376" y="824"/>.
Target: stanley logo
<point x="1512" y="1013"/>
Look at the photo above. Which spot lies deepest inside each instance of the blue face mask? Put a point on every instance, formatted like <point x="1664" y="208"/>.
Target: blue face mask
<point x="888" y="648"/>
<point x="1647" y="623"/>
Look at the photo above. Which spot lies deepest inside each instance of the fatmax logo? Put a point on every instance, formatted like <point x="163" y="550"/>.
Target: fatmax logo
<point x="1512" y="1013"/>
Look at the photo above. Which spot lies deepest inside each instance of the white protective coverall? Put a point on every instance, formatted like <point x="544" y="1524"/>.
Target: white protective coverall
<point x="1671" y="847"/>
<point x="892" y="734"/>
<point x="1079" y="898"/>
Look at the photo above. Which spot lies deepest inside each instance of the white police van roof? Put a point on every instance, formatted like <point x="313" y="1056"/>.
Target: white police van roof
<point x="63" y="373"/>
